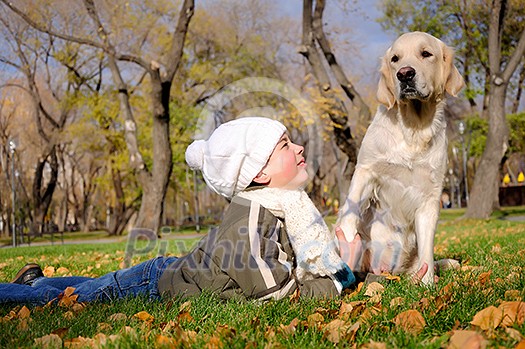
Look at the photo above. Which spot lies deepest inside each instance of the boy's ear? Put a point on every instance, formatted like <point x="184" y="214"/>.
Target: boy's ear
<point x="262" y="178"/>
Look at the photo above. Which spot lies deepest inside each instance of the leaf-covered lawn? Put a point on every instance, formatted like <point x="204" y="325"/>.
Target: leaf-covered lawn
<point x="474" y="307"/>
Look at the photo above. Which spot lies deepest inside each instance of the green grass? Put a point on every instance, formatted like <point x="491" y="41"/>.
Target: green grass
<point x="495" y="246"/>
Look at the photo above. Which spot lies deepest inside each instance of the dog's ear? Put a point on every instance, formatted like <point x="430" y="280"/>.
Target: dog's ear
<point x="385" y="90"/>
<point x="453" y="80"/>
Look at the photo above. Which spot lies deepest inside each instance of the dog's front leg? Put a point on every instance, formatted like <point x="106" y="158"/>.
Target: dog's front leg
<point x="350" y="213"/>
<point x="426" y="221"/>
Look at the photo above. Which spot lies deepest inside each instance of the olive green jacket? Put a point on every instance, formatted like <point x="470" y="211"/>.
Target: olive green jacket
<point x="248" y="255"/>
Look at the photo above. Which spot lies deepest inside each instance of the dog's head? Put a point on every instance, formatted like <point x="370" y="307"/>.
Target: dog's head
<point x="417" y="66"/>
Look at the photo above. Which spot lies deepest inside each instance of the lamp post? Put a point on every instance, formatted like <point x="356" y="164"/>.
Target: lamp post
<point x="457" y="186"/>
<point x="461" y="129"/>
<point x="12" y="147"/>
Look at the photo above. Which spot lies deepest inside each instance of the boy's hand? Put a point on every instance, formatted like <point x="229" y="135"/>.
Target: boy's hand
<point x="350" y="252"/>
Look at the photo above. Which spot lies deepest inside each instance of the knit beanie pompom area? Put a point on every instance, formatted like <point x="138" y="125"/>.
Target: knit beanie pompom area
<point x="235" y="153"/>
<point x="195" y="154"/>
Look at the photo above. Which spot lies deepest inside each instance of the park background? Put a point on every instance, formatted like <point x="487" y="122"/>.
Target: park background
<point x="99" y="100"/>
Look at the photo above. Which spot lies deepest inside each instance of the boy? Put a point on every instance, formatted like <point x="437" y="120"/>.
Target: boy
<point x="271" y="242"/>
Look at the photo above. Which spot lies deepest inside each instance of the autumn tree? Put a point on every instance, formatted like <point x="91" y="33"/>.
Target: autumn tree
<point x="115" y="30"/>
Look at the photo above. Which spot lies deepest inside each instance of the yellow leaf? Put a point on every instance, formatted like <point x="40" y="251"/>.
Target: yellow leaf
<point x="144" y="316"/>
<point x="488" y="318"/>
<point x="466" y="340"/>
<point x="411" y="321"/>
<point x="483" y="278"/>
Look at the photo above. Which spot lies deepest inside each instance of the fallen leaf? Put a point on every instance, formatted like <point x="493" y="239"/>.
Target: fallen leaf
<point x="49" y="271"/>
<point x="466" y="340"/>
<point x="315" y="320"/>
<point x="24" y="313"/>
<point x="520" y="345"/>
<point x="290" y="328"/>
<point x="514" y="334"/>
<point x="338" y="330"/>
<point x="62" y="271"/>
<point x="118" y="317"/>
<point x="411" y="321"/>
<point x="513" y="313"/>
<point x="162" y="341"/>
<point x="484" y="278"/>
<point x="144" y="316"/>
<point x="488" y="318"/>
<point x="103" y="327"/>
<point x="345" y="310"/>
<point x="374" y="288"/>
<point x="513" y="295"/>
<point x="374" y="345"/>
<point x="49" y="341"/>
<point x="396" y="301"/>
<point x="61" y="332"/>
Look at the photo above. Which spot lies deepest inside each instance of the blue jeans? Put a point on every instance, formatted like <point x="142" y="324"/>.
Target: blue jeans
<point x="141" y="279"/>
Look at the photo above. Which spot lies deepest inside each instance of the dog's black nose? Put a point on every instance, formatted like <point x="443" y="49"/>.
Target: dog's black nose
<point x="406" y="74"/>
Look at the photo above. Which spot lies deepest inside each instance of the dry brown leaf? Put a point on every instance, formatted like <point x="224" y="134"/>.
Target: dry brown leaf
<point x="513" y="312"/>
<point x="488" y="318"/>
<point x="50" y="341"/>
<point x="338" y="330"/>
<point x="68" y="299"/>
<point x="315" y="320"/>
<point x="184" y="316"/>
<point x="214" y="342"/>
<point x="514" y="334"/>
<point x="484" y="278"/>
<point x="374" y="345"/>
<point x="520" y="345"/>
<point x="290" y="328"/>
<point x="411" y="321"/>
<point x="513" y="295"/>
<point x="61" y="332"/>
<point x="345" y="311"/>
<point x="374" y="288"/>
<point x="103" y="327"/>
<point x="118" y="317"/>
<point x="49" y="271"/>
<point x="62" y="271"/>
<point x="69" y="315"/>
<point x="391" y="277"/>
<point x="162" y="341"/>
<point x="396" y="301"/>
<point x="24" y="313"/>
<point x="466" y="340"/>
<point x="144" y="316"/>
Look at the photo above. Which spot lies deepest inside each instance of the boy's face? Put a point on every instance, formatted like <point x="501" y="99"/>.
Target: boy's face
<point x="286" y="168"/>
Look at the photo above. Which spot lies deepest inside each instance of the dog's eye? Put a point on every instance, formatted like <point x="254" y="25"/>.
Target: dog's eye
<point x="394" y="59"/>
<point x="426" y="54"/>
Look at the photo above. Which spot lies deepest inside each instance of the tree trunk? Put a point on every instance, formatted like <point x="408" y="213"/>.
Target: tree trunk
<point x="484" y="192"/>
<point x="42" y="194"/>
<point x="486" y="181"/>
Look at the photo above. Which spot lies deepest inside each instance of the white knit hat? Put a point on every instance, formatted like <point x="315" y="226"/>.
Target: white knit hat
<point x="235" y="153"/>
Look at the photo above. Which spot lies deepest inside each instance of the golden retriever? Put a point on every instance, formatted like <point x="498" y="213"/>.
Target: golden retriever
<point x="393" y="200"/>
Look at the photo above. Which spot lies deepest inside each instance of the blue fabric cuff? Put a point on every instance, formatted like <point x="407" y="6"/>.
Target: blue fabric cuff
<point x="345" y="276"/>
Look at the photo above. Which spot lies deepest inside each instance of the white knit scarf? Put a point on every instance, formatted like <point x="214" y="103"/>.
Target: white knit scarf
<point x="314" y="244"/>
